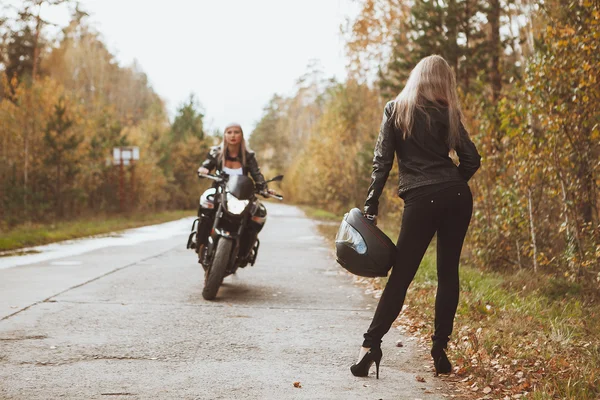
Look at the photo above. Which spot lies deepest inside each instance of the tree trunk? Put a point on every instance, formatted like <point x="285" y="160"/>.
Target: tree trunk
<point x="467" y="29"/>
<point x="452" y="24"/>
<point x="59" y="207"/>
<point x="585" y="176"/>
<point x="532" y="228"/>
<point x="26" y="160"/>
<point x="31" y="126"/>
<point x="572" y="232"/>
<point x="519" y="255"/>
<point x="495" y="48"/>
<point x="36" y="50"/>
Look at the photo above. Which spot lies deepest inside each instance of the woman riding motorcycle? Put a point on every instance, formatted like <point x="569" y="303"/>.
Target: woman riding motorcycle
<point x="232" y="157"/>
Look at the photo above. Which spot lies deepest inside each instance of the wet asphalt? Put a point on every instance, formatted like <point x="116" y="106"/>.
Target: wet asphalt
<point x="129" y="322"/>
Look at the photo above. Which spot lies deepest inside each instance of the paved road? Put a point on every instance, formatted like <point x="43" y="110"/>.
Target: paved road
<point x="130" y="323"/>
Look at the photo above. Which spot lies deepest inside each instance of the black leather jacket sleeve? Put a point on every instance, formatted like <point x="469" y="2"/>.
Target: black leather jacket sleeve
<point x="383" y="160"/>
<point x="469" y="158"/>
<point x="254" y="170"/>
<point x="211" y="159"/>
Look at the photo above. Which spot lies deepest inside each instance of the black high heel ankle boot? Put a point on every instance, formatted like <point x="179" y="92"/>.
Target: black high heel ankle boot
<point x="440" y="360"/>
<point x="362" y="368"/>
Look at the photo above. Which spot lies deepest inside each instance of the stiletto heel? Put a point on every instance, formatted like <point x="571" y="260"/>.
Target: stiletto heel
<point x="362" y="368"/>
<point x="440" y="361"/>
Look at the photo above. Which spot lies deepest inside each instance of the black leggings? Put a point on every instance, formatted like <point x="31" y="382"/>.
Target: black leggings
<point x="447" y="213"/>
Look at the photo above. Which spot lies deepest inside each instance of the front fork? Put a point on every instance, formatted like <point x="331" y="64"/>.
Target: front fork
<point x="220" y="233"/>
<point x="192" y="243"/>
<point x="208" y="252"/>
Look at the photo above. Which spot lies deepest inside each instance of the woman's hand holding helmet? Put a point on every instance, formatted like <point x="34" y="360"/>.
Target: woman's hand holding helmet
<point x="372" y="218"/>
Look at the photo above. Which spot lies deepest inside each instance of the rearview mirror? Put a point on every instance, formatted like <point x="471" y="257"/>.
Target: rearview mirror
<point x="278" y="178"/>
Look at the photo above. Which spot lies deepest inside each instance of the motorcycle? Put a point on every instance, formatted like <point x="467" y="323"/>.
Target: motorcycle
<point x="237" y="218"/>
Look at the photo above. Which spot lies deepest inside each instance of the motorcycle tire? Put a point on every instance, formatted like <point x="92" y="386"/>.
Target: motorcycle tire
<point x="216" y="273"/>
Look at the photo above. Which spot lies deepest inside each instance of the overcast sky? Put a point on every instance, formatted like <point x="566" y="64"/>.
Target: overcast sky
<point x="233" y="54"/>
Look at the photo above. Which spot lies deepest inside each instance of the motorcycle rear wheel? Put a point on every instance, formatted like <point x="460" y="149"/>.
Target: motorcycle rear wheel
<point x="216" y="273"/>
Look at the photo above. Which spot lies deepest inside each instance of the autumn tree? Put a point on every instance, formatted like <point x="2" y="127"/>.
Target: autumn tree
<point x="59" y="129"/>
<point x="267" y="137"/>
<point x="288" y="123"/>
<point x="370" y="36"/>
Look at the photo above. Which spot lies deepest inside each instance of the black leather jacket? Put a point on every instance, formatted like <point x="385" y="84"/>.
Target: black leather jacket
<point x="213" y="160"/>
<point x="422" y="158"/>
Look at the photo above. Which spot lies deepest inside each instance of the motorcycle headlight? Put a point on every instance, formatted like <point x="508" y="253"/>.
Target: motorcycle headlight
<point x="236" y="206"/>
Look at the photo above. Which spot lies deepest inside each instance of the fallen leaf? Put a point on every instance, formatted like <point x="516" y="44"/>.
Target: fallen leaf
<point x="297" y="385"/>
<point x="420" y="378"/>
<point x="519" y="374"/>
<point x="399" y="344"/>
<point x="487" y="390"/>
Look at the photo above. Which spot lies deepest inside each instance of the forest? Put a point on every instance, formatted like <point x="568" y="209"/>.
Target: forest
<point x="65" y="103"/>
<point x="528" y="80"/>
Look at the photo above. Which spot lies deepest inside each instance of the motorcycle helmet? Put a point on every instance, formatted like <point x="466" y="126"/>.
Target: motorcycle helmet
<point x="362" y="248"/>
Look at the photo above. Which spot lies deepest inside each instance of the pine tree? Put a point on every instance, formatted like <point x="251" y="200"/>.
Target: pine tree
<point x="395" y="73"/>
<point x="61" y="142"/>
<point x="188" y="121"/>
<point x="448" y="28"/>
<point x="20" y="54"/>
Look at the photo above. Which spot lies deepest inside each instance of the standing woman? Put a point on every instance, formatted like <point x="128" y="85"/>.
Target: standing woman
<point x="421" y="127"/>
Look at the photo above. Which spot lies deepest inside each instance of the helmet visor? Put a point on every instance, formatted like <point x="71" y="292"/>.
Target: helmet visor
<point x="350" y="237"/>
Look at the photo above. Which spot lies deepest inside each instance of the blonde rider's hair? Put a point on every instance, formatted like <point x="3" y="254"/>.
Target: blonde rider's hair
<point x="431" y="81"/>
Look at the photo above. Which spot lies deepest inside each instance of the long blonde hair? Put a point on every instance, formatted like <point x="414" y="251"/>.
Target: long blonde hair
<point x="431" y="81"/>
<point x="225" y="145"/>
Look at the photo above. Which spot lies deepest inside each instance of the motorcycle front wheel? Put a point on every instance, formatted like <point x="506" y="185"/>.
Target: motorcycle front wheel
<point x="216" y="273"/>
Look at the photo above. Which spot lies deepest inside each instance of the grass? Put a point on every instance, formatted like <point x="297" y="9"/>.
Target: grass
<point x="518" y="334"/>
<point x="31" y="234"/>
<point x="320" y="214"/>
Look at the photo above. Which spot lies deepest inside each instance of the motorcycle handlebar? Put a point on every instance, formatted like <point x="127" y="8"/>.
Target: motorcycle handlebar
<point x="273" y="196"/>
<point x="212" y="177"/>
<point x="261" y="192"/>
